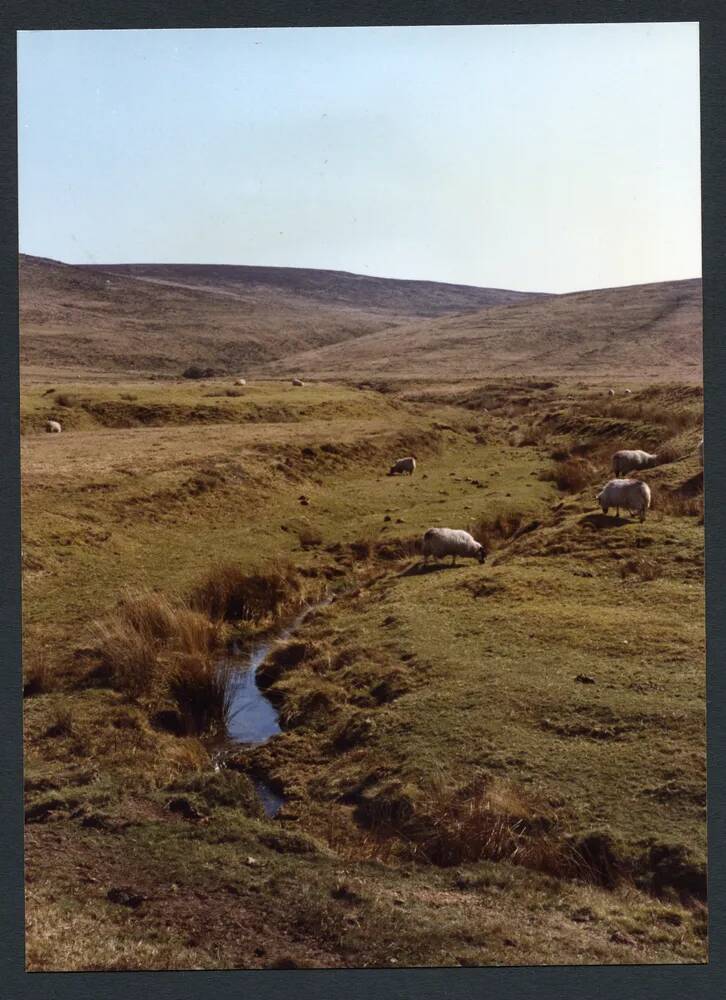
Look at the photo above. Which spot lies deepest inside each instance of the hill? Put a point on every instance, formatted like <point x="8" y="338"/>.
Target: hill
<point x="161" y="318"/>
<point x="651" y="331"/>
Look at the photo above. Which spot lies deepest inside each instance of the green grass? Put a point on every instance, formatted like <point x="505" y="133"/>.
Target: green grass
<point x="407" y="690"/>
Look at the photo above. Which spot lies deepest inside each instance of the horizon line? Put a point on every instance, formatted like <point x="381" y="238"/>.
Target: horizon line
<point x="355" y="274"/>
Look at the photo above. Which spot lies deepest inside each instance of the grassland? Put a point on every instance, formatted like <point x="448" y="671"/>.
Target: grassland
<point x="482" y="765"/>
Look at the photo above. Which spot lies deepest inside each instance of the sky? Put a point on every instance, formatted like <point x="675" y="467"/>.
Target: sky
<point x="546" y="158"/>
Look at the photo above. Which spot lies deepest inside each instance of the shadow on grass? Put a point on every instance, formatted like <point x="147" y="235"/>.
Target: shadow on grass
<point x="421" y="569"/>
<point x="600" y="521"/>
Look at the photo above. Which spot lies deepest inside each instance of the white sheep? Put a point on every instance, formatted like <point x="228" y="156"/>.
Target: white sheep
<point x="700" y="450"/>
<point x="628" y="392"/>
<point x="440" y="542"/>
<point x="611" y="392"/>
<point x="53" y="427"/>
<point x="297" y="381"/>
<point x="403" y="465"/>
<point x="624" y="462"/>
<point x="633" y="494"/>
<point x="241" y="381"/>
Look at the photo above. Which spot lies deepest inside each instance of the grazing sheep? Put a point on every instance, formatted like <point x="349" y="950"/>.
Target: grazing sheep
<point x="628" y="392"/>
<point x="297" y="381"/>
<point x="53" y="427"/>
<point x="440" y="542"/>
<point x="633" y="494"/>
<point x="700" y="450"/>
<point x="403" y="465"/>
<point x="241" y="381"/>
<point x="626" y="461"/>
<point x="611" y="392"/>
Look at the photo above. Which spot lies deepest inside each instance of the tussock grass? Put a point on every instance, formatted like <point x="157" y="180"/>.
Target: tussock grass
<point x="228" y="593"/>
<point x="498" y="525"/>
<point x="156" y="647"/>
<point x="201" y="689"/>
<point x="61" y="722"/>
<point x="571" y="475"/>
<point x="38" y="677"/>
<point x="644" y="569"/>
<point x="486" y="819"/>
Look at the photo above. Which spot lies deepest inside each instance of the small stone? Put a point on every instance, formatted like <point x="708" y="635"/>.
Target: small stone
<point x="585" y="679"/>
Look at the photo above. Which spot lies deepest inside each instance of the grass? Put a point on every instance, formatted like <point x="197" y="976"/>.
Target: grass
<point x="155" y="649"/>
<point x="451" y="693"/>
<point x="228" y="593"/>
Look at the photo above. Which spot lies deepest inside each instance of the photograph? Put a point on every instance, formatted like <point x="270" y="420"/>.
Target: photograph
<point x="362" y="462"/>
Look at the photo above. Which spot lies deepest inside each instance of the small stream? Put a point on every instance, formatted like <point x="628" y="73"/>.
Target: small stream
<point x="252" y="718"/>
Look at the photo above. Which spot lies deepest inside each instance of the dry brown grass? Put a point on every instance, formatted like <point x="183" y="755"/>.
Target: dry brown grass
<point x="498" y="525"/>
<point x="643" y="569"/>
<point x="678" y="505"/>
<point x="201" y="689"/>
<point x="152" y="642"/>
<point x="571" y="475"/>
<point x="37" y="677"/>
<point x="487" y="819"/>
<point x="228" y="593"/>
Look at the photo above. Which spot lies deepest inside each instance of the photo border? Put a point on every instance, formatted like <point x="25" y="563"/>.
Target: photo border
<point x="524" y="982"/>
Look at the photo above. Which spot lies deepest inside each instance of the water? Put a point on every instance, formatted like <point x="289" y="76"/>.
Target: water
<point x="252" y="718"/>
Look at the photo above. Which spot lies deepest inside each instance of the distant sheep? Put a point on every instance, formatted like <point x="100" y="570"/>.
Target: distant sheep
<point x="241" y="381"/>
<point x="403" y="465"/>
<point x="632" y="494"/>
<point x="611" y="392"/>
<point x="624" y="462"/>
<point x="53" y="427"/>
<point x="440" y="542"/>
<point x="628" y="392"/>
<point x="700" y="450"/>
<point x="297" y="381"/>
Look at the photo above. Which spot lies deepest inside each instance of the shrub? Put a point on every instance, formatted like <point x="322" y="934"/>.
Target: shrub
<point x="227" y="593"/>
<point x="194" y="371"/>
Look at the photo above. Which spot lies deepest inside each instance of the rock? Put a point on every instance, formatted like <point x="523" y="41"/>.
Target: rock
<point x="585" y="679"/>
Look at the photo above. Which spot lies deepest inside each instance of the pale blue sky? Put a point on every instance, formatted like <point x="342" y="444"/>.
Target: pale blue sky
<point x="542" y="158"/>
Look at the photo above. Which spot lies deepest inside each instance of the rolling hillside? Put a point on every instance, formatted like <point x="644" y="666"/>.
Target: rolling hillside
<point x="161" y="318"/>
<point x="652" y="331"/>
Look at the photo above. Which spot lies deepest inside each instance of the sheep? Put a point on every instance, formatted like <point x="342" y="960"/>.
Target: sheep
<point x="626" y="461"/>
<point x="633" y="494"/>
<point x="297" y="381"/>
<point x="700" y="450"/>
<point x="611" y="392"/>
<point x="53" y="427"/>
<point x="440" y="542"/>
<point x="628" y="392"/>
<point x="241" y="381"/>
<point x="403" y="465"/>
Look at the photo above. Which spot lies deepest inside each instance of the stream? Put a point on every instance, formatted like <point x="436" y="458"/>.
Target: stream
<point x="252" y="718"/>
